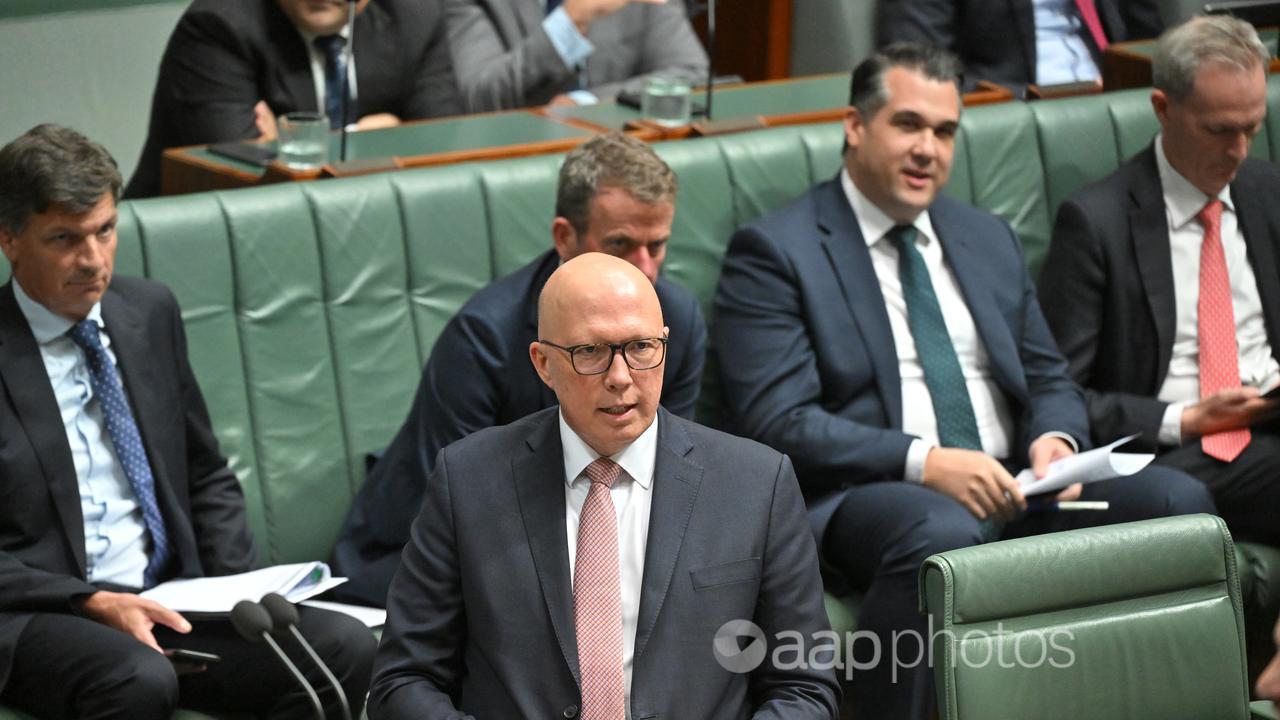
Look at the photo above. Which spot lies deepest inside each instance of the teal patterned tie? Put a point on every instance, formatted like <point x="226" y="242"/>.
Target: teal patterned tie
<point x="957" y="426"/>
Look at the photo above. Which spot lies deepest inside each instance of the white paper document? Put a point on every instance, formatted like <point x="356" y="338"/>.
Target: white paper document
<point x="295" y="582"/>
<point x="371" y="617"/>
<point x="1102" y="463"/>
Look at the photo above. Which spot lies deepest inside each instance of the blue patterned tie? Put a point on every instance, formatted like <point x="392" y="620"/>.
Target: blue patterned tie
<point x="957" y="426"/>
<point x="127" y="442"/>
<point x="335" y="70"/>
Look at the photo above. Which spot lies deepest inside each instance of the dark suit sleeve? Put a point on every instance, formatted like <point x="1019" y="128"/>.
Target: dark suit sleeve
<point x="435" y="90"/>
<point x="1141" y="19"/>
<point x="790" y="601"/>
<point x="929" y="21"/>
<point x="1074" y="288"/>
<point x="669" y="47"/>
<point x="681" y="395"/>
<point x="491" y="74"/>
<point x="420" y="663"/>
<point x="217" y="500"/>
<point x="770" y="373"/>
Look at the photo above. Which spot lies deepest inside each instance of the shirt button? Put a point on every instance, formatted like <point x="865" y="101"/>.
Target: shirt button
<point x="571" y="712"/>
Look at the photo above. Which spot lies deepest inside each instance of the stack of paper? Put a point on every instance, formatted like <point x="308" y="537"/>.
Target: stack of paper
<point x="1102" y="463"/>
<point x="295" y="582"/>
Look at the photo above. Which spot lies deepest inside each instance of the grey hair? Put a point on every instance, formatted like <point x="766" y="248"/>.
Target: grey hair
<point x="53" y="166"/>
<point x="611" y="160"/>
<point x="1183" y="50"/>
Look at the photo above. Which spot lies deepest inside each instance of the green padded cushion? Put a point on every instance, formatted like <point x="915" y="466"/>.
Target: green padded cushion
<point x="520" y="197"/>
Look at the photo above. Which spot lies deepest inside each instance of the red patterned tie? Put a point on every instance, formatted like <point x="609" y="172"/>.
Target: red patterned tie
<point x="1089" y="13"/>
<point x="1219" y="359"/>
<point x="597" y="599"/>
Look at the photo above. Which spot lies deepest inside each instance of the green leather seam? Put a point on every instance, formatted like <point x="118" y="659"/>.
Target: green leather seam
<point x="1233" y="591"/>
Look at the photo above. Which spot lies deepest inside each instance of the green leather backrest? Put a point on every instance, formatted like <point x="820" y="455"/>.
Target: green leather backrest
<point x="1134" y="620"/>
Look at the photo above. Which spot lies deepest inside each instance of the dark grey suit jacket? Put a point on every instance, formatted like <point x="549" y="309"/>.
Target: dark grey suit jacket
<point x="996" y="39"/>
<point x="1108" y="287"/>
<point x="480" y="618"/>
<point x="504" y="58"/>
<point x="42" y="547"/>
<point x="807" y="355"/>
<point x="226" y="55"/>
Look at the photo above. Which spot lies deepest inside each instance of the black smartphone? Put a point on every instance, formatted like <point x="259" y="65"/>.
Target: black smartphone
<point x="245" y="152"/>
<point x="190" y="657"/>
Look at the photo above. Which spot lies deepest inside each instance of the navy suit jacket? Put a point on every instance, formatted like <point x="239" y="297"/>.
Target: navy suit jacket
<point x="480" y="616"/>
<point x="479" y="375"/>
<point x="42" y="547"/>
<point x="1109" y="294"/>
<point x="226" y="55"/>
<point x="807" y="355"/>
<point x="996" y="39"/>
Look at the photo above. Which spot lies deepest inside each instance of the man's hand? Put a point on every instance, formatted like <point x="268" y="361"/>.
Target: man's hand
<point x="585" y="12"/>
<point x="1226" y="410"/>
<point x="376" y="121"/>
<point x="976" y="481"/>
<point x="1043" y="452"/>
<point x="265" y="121"/>
<point x="133" y="615"/>
<point x="562" y="99"/>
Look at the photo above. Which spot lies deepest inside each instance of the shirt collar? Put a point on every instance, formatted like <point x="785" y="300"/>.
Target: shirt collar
<point x="872" y="221"/>
<point x="46" y="325"/>
<point x="1183" y="199"/>
<point x="637" y="459"/>
<point x="310" y="38"/>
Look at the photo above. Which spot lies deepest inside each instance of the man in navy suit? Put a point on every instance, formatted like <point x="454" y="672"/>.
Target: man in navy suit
<point x="889" y="339"/>
<point x="586" y="560"/>
<point x="615" y="195"/>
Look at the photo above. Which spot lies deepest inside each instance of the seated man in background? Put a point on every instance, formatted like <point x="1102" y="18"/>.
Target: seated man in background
<point x="888" y="339"/>
<point x="111" y="476"/>
<point x="517" y="53"/>
<point x="1020" y="42"/>
<point x="233" y="66"/>
<point x="1165" y="289"/>
<point x="587" y="558"/>
<point x="615" y="195"/>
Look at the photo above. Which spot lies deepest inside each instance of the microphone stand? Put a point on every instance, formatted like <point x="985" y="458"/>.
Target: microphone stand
<point x="346" y="79"/>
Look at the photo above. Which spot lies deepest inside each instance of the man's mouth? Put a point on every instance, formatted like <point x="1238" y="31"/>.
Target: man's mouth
<point x="917" y="179"/>
<point x="617" y="410"/>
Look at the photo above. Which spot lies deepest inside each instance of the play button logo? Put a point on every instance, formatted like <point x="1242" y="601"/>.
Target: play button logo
<point x="739" y="646"/>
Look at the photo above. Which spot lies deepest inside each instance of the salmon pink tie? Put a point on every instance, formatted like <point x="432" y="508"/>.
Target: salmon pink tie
<point x="1219" y="354"/>
<point x="597" y="598"/>
<point x="1089" y="13"/>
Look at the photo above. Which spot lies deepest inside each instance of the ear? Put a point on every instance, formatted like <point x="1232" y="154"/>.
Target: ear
<point x="9" y="245"/>
<point x="853" y="127"/>
<point x="566" y="239"/>
<point x="1160" y="104"/>
<point x="540" y="361"/>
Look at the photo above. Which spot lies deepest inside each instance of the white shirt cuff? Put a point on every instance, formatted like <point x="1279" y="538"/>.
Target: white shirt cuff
<point x="1075" y="447"/>
<point x="572" y="46"/>
<point x="1171" y="425"/>
<point x="583" y="97"/>
<point x="913" y="471"/>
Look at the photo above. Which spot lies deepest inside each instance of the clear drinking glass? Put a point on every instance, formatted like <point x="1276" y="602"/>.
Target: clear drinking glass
<point x="304" y="139"/>
<point x="666" y="100"/>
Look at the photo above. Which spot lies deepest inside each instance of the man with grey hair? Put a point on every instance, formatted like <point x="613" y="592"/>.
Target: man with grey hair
<point x="111" y="475"/>
<point x="615" y="195"/>
<point x="1165" y="290"/>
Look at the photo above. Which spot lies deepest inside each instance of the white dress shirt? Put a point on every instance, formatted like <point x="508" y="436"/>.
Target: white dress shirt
<point x="1062" y="55"/>
<point x="1258" y="368"/>
<point x="115" y="535"/>
<point x="632" y="496"/>
<point x="990" y="408"/>
<point x="317" y="69"/>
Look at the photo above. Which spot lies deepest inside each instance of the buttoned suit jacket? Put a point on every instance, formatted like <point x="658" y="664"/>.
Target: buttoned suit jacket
<point x="42" y="544"/>
<point x="226" y="55"/>
<point x="504" y="59"/>
<point x="480" y="615"/>
<point x="480" y="375"/>
<point x="996" y="39"/>
<point x="808" y="360"/>
<point x="1109" y="295"/>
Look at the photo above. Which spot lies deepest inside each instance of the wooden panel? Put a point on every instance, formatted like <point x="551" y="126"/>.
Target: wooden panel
<point x="753" y="38"/>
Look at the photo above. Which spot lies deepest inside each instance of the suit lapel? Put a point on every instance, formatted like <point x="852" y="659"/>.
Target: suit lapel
<point x="539" y="481"/>
<point x="1024" y="22"/>
<point x="676" y="480"/>
<point x="36" y="407"/>
<point x="1259" y="240"/>
<point x="291" y="69"/>
<point x="1149" y="226"/>
<point x="850" y="258"/>
<point x="966" y="264"/>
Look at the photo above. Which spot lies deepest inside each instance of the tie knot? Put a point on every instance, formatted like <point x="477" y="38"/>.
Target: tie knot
<point x="603" y="471"/>
<point x="1210" y="216"/>
<point x="85" y="334"/>
<point x="330" y="45"/>
<point x="902" y="235"/>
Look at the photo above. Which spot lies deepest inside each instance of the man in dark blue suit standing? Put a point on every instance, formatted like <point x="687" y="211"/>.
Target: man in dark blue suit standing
<point x="615" y="195"/>
<point x="889" y="340"/>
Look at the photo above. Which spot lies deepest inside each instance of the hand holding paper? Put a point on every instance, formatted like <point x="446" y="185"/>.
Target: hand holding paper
<point x="1102" y="463"/>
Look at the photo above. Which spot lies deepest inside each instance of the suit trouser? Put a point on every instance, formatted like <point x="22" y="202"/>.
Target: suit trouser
<point x="1246" y="490"/>
<point x="882" y="533"/>
<point x="67" y="666"/>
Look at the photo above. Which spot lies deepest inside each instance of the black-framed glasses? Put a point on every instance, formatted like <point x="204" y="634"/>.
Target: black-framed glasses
<point x="595" y="358"/>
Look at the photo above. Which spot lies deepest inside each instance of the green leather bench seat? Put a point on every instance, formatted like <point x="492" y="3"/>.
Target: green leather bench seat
<point x="310" y="308"/>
